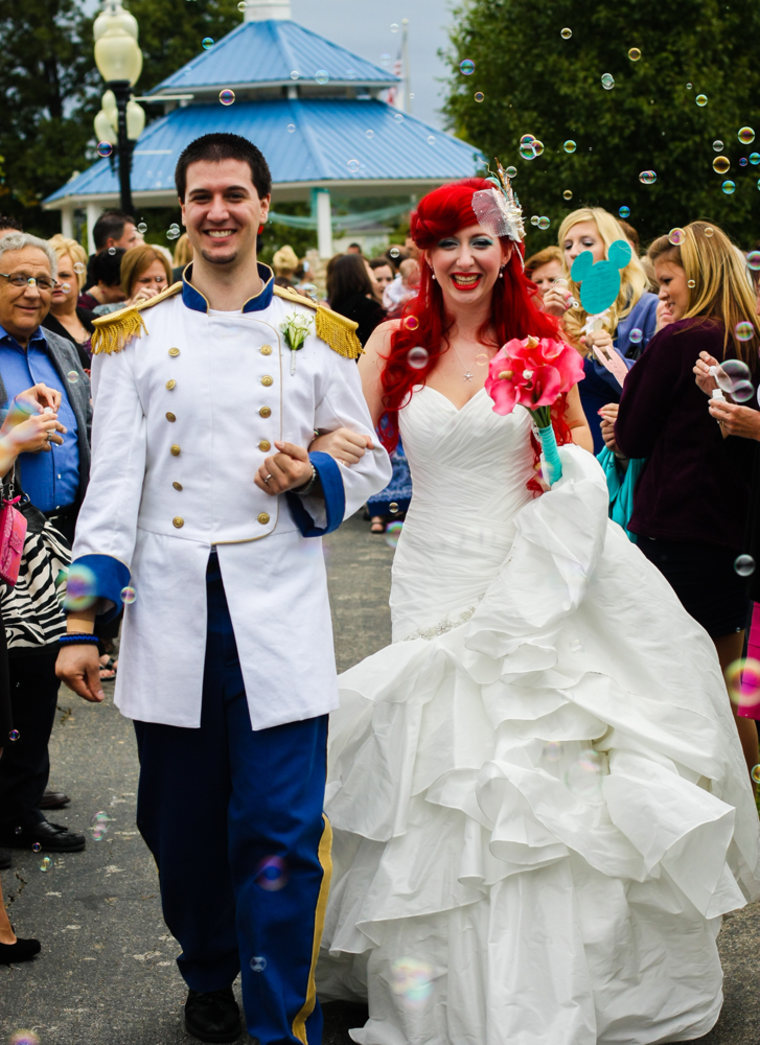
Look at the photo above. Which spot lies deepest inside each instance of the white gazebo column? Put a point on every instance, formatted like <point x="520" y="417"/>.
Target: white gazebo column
<point x="320" y="205"/>
<point x="93" y="213"/>
<point x="67" y="221"/>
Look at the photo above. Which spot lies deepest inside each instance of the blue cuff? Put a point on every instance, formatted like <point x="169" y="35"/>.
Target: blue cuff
<point x="334" y="494"/>
<point x="109" y="578"/>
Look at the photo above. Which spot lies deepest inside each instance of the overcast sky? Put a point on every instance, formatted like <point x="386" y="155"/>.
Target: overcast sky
<point x="364" y="27"/>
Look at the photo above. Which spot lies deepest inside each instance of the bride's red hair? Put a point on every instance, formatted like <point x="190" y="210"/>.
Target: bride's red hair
<point x="439" y="214"/>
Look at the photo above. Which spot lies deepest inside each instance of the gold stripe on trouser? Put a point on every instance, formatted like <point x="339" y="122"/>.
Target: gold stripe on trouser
<point x="325" y="859"/>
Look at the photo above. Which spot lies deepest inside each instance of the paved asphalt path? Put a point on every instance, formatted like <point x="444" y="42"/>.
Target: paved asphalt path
<point x="106" y="975"/>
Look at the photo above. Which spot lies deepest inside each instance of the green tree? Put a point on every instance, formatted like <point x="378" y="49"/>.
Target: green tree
<point x="530" y="77"/>
<point x="47" y="79"/>
<point x="51" y="87"/>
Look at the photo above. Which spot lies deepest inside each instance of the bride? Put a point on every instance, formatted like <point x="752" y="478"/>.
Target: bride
<point x="539" y="803"/>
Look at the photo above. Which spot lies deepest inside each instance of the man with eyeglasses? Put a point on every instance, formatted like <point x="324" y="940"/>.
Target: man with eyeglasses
<point x="55" y="481"/>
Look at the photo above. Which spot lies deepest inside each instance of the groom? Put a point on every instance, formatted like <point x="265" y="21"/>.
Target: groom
<point x="203" y="516"/>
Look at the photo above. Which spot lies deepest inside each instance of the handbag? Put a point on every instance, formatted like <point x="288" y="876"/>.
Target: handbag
<point x="32" y="608"/>
<point x="12" y="534"/>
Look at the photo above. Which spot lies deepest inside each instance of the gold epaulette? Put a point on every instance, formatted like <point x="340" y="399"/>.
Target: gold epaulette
<point x="113" y="332"/>
<point x="339" y="332"/>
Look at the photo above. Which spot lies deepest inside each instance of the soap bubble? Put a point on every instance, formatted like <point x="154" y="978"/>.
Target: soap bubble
<point x="569" y="145"/>
<point x="24" y="1037"/>
<point x="411" y="322"/>
<point x="701" y="100"/>
<point x="99" y="825"/>
<point x="746" y="135"/>
<point x="753" y="260"/>
<point x="467" y="67"/>
<point x="430" y="139"/>
<point x="392" y="533"/>
<point x="294" y="74"/>
<point x="743" y="161"/>
<point x="538" y="147"/>
<point x="394" y="27"/>
<point x="291" y="128"/>
<point x="552" y="752"/>
<point x="258" y="963"/>
<point x="691" y="283"/>
<point x="567" y="194"/>
<point x="479" y="96"/>
<point x="744" y="565"/>
<point x="744" y="331"/>
<point x="398" y="117"/>
<point x="743" y="682"/>
<point x="636" y="335"/>
<point x="717" y="145"/>
<point x="173" y="232"/>
<point x="271" y="874"/>
<point x="241" y="6"/>
<point x="393" y="508"/>
<point x="411" y="981"/>
<point x="754" y="158"/>
<point x="13" y="736"/>
<point x="734" y="377"/>
<point x="128" y="595"/>
<point x="80" y="267"/>
<point x="394" y="252"/>
<point x="709" y="231"/>
<point x="634" y="54"/>
<point x="721" y="164"/>
<point x="527" y="151"/>
<point x="142" y="228"/>
<point x="369" y="133"/>
<point x="534" y="219"/>
<point x="566" y="33"/>
<point x="72" y="377"/>
<point x="608" y="81"/>
<point x="81" y="588"/>
<point x="648" y="177"/>
<point x="207" y="42"/>
<point x="624" y="212"/>
<point x="353" y="165"/>
<point x="322" y="76"/>
<point x="729" y="187"/>
<point x="36" y="847"/>
<point x="45" y="863"/>
<point x="689" y="86"/>
<point x="755" y="773"/>
<point x="511" y="172"/>
<point x="417" y="357"/>
<point x="676" y="236"/>
<point x="227" y="96"/>
<point x="544" y="222"/>
<point x="104" y="149"/>
<point x="584" y="777"/>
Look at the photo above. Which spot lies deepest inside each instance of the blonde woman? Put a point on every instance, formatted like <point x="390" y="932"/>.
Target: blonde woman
<point x="65" y="316"/>
<point x="691" y="504"/>
<point x="629" y="323"/>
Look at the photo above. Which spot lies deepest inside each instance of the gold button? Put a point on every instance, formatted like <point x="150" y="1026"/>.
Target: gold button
<point x="263" y="518"/>
<point x="266" y="380"/>
<point x="178" y="522"/>
<point x="265" y="411"/>
<point x="177" y="486"/>
<point x="173" y="352"/>
<point x="264" y="444"/>
<point x="171" y="384"/>
<point x="176" y="451"/>
<point x="266" y="350"/>
<point x="170" y="416"/>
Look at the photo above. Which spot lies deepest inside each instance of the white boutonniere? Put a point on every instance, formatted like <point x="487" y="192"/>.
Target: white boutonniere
<point x="294" y="330"/>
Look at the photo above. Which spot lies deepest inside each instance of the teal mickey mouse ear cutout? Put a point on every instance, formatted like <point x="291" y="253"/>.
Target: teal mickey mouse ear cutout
<point x="600" y="281"/>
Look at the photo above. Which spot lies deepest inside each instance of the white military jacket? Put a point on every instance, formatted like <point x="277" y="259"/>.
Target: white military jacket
<point x="185" y="413"/>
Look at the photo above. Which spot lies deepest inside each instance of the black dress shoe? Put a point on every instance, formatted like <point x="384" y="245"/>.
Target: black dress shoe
<point x="5" y="859"/>
<point x="51" y="838"/>
<point x="20" y="951"/>
<point x="54" y="800"/>
<point x="212" y="1015"/>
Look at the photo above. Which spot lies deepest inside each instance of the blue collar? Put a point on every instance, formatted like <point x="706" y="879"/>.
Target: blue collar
<point x="192" y="298"/>
<point x="38" y="335"/>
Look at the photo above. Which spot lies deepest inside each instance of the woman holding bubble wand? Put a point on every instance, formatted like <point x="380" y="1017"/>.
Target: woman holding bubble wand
<point x="691" y="503"/>
<point x="505" y="868"/>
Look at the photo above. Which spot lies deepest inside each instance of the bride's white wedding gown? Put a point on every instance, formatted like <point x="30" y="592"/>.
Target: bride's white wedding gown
<point x="540" y="805"/>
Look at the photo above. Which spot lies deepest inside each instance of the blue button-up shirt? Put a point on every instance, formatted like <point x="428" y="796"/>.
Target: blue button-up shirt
<point x="51" y="479"/>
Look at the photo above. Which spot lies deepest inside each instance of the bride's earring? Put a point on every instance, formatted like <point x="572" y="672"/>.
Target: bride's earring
<point x="501" y="271"/>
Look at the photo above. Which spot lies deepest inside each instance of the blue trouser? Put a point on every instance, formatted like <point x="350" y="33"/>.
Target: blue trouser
<point x="234" y="820"/>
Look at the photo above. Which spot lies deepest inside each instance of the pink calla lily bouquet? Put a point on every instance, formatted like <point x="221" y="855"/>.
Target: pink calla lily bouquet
<point x="534" y="372"/>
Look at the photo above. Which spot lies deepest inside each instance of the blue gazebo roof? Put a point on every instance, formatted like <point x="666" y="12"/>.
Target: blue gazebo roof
<point x="274" y="52"/>
<point x="355" y="146"/>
